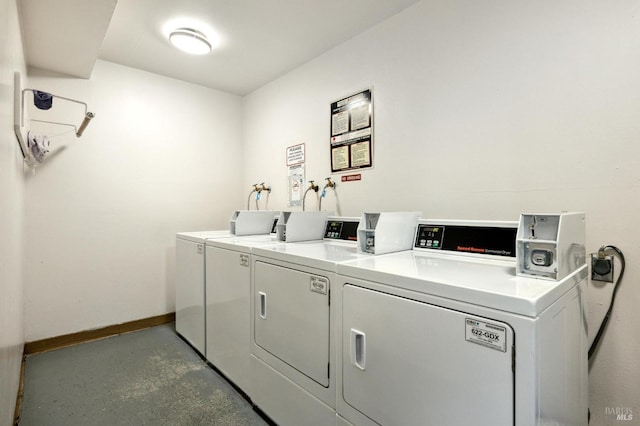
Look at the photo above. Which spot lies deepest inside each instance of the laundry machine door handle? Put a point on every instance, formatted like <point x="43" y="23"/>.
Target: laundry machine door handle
<point x="358" y="349"/>
<point x="263" y="305"/>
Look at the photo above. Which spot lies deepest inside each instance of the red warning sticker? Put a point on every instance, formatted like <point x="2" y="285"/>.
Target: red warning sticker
<point x="351" y="178"/>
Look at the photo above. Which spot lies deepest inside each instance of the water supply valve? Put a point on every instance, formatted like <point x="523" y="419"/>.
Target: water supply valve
<point x="264" y="187"/>
<point x="330" y="183"/>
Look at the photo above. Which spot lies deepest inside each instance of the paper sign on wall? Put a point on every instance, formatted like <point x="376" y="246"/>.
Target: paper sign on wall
<point x="295" y="174"/>
<point x="295" y="154"/>
<point x="352" y="132"/>
<point x="295" y="184"/>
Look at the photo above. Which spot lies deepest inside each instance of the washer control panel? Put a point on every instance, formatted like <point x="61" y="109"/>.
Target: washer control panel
<point x="429" y="236"/>
<point x="482" y="239"/>
<point x="346" y="230"/>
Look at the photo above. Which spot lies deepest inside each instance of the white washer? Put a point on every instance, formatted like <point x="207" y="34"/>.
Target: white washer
<point x="228" y="296"/>
<point x="434" y="336"/>
<point x="190" y="271"/>
<point x="228" y="282"/>
<point x="189" y="286"/>
<point x="292" y="347"/>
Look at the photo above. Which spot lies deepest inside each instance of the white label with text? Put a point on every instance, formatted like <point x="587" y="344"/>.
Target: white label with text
<point x="486" y="334"/>
<point x="319" y="285"/>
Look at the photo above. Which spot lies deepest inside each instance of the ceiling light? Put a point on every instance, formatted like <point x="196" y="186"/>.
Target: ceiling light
<point x="190" y="41"/>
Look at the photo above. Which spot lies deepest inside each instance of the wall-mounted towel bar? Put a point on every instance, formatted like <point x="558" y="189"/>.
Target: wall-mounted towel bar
<point x="19" y="117"/>
<point x="79" y="130"/>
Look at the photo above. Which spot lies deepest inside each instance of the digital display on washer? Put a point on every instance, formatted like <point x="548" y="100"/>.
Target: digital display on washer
<point x="341" y="230"/>
<point x="496" y="241"/>
<point x="429" y="236"/>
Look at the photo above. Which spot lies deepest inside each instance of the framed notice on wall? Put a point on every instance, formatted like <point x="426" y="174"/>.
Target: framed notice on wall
<point x="352" y="132"/>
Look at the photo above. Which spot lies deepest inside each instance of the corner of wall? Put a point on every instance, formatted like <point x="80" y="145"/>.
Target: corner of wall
<point x="11" y="216"/>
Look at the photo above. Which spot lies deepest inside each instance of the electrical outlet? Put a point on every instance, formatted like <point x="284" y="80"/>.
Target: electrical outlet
<point x="601" y="268"/>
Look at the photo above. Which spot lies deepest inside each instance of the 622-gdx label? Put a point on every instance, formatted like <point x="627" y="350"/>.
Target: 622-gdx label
<point x="486" y="334"/>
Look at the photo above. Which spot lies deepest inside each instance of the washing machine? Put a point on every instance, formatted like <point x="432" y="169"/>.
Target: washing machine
<point x="189" y="284"/>
<point x="228" y="281"/>
<point x="292" y="345"/>
<point x="482" y="323"/>
<point x="190" y="271"/>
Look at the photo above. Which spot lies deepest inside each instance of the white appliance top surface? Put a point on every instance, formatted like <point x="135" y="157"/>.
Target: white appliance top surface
<point x="243" y="243"/>
<point x="319" y="254"/>
<point x="486" y="282"/>
<point x="201" y="236"/>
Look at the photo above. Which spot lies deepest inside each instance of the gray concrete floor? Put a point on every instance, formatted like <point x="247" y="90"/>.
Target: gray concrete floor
<point x="148" y="377"/>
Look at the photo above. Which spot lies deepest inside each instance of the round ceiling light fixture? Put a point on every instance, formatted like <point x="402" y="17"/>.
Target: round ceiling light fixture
<point x="190" y="41"/>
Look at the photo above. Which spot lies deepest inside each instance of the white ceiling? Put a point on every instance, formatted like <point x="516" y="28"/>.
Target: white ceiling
<point x="259" y="39"/>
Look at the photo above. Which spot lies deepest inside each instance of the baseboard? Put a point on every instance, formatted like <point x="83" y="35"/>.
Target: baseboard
<point x="99" y="333"/>
<point x="20" y="396"/>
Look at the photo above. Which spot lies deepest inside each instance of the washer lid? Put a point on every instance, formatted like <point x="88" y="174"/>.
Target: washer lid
<point x="201" y="236"/>
<point x="489" y="283"/>
<point x="317" y="254"/>
<point x="243" y="243"/>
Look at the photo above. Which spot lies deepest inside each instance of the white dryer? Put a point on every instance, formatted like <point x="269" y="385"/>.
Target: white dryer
<point x="450" y="334"/>
<point x="292" y="346"/>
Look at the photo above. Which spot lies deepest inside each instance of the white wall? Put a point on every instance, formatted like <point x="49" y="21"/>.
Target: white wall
<point x="482" y="110"/>
<point x="11" y="196"/>
<point x="485" y="110"/>
<point x="161" y="156"/>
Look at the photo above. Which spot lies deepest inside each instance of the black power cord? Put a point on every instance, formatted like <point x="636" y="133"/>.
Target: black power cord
<point x="601" y="267"/>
